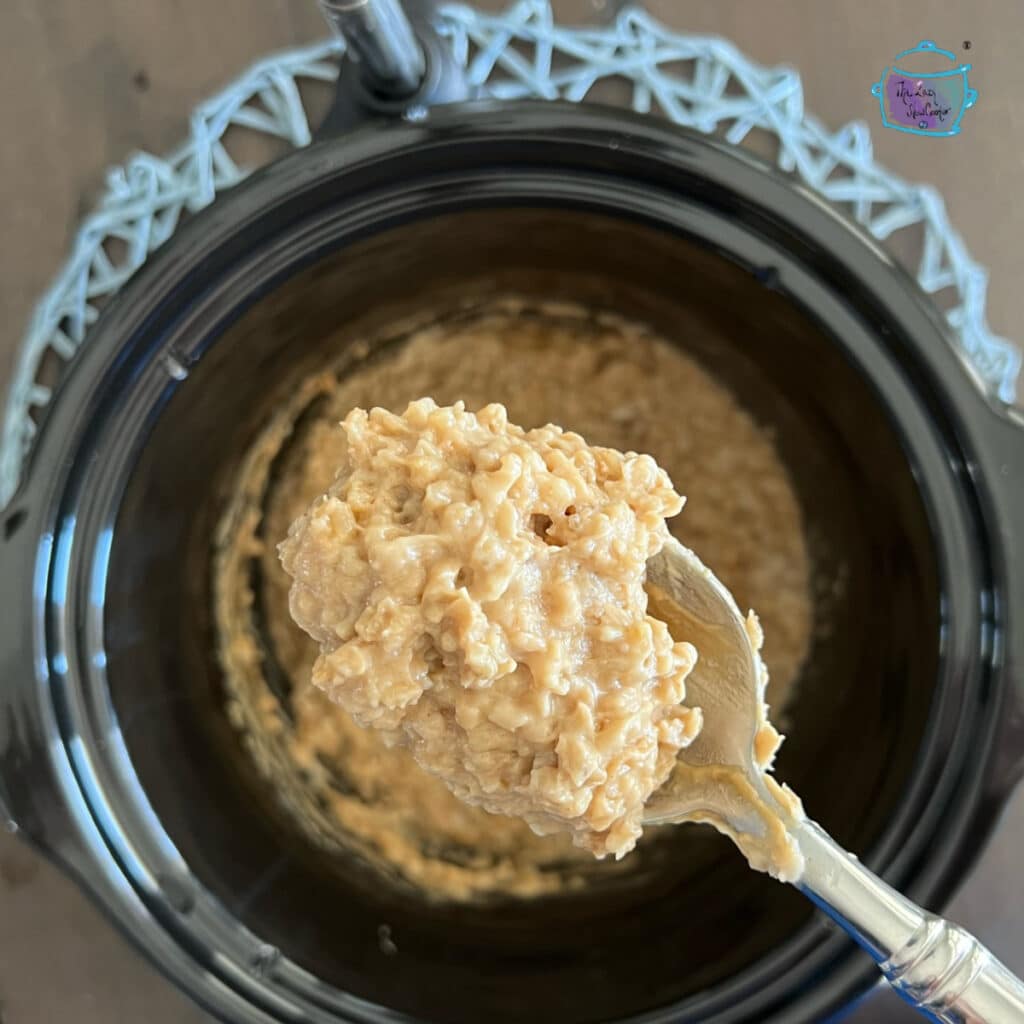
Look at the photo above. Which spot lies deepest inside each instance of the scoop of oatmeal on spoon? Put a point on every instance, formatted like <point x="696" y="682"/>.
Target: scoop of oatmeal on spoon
<point x="478" y="594"/>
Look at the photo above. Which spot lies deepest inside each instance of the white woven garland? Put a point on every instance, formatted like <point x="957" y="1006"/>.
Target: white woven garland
<point x="520" y="53"/>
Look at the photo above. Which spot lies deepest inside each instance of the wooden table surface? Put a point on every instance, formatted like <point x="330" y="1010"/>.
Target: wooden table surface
<point x="82" y="82"/>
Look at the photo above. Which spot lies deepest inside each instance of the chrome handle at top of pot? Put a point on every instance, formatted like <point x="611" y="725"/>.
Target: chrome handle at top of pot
<point x="379" y="35"/>
<point x="396" y="65"/>
<point x="936" y="966"/>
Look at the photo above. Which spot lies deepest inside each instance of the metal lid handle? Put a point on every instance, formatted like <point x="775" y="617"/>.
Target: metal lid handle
<point x="379" y="35"/>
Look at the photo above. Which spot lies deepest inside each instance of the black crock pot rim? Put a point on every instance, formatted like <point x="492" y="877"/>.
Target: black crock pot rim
<point x="546" y="122"/>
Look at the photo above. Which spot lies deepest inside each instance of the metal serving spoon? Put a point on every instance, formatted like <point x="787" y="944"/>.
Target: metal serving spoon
<point x="937" y="967"/>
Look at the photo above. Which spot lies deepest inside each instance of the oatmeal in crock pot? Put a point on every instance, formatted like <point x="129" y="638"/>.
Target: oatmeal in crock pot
<point x="614" y="382"/>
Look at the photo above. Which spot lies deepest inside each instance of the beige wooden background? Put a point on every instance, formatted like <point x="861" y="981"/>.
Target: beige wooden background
<point x="82" y="82"/>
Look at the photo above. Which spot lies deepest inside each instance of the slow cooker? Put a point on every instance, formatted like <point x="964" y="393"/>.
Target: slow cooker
<point x="117" y="759"/>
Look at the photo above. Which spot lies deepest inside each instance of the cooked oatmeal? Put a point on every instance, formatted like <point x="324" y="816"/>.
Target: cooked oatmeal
<point x="477" y="593"/>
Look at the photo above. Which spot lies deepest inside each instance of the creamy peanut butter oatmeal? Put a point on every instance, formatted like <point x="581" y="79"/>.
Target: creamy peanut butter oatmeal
<point x="611" y="381"/>
<point x="477" y="594"/>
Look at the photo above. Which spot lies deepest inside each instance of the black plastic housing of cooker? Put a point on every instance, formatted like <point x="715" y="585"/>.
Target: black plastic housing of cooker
<point x="115" y="754"/>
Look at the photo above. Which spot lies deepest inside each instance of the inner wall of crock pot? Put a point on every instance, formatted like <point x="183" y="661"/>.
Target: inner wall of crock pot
<point x="696" y="916"/>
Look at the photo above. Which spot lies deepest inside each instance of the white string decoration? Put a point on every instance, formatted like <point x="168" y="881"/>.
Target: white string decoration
<point x="702" y="82"/>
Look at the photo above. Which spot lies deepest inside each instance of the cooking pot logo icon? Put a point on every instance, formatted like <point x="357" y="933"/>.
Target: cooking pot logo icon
<point x="922" y="94"/>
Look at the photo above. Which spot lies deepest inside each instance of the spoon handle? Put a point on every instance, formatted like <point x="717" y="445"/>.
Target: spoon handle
<point x="937" y="967"/>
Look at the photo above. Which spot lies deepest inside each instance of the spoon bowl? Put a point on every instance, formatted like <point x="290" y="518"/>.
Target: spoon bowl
<point x="721" y="777"/>
<point x="727" y="683"/>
